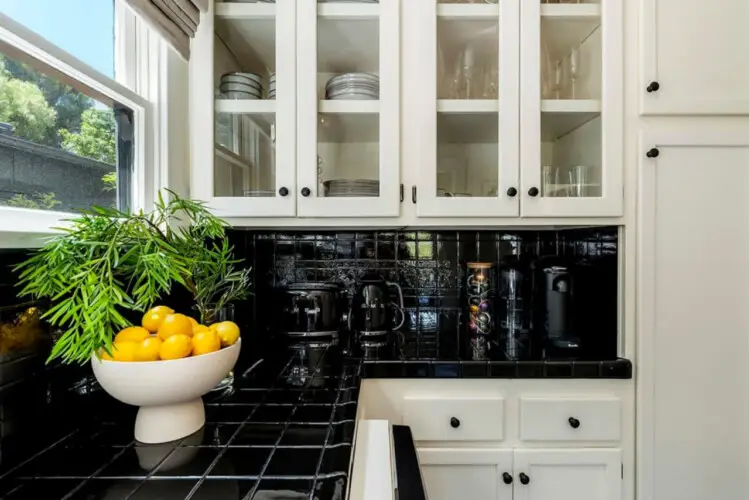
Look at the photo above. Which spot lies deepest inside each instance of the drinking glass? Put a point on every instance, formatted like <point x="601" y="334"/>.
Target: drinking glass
<point x="578" y="180"/>
<point x="574" y="68"/>
<point x="558" y="79"/>
<point x="546" y="182"/>
<point x="560" y="192"/>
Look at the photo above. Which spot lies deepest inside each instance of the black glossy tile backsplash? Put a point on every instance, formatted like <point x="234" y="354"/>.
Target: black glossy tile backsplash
<point x="430" y="268"/>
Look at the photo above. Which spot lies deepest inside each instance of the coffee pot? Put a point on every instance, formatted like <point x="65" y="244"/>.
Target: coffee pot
<point x="373" y="314"/>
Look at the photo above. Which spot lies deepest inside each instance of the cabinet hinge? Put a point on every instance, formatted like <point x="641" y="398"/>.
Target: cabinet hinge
<point x="401" y="193"/>
<point x="413" y="194"/>
<point x="622" y="471"/>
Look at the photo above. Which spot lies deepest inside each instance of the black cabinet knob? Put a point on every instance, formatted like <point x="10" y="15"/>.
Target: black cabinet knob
<point x="524" y="479"/>
<point x="511" y="192"/>
<point x="454" y="423"/>
<point x="533" y="191"/>
<point x="653" y="87"/>
<point x="306" y="192"/>
<point x="653" y="153"/>
<point x="283" y="191"/>
<point x="574" y="423"/>
<point x="507" y="478"/>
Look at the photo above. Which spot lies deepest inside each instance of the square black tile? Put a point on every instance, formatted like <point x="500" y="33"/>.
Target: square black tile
<point x="267" y="487"/>
<point x="342" y="433"/>
<point x="503" y="369"/>
<point x="271" y="414"/>
<point x="336" y="460"/>
<point x="293" y="462"/>
<point x="475" y="369"/>
<point x="321" y="396"/>
<point x="227" y="413"/>
<point x="187" y="462"/>
<point x="68" y="462"/>
<point x="136" y="464"/>
<point x="529" y="369"/>
<point x="330" y="487"/>
<point x="211" y="435"/>
<point x="107" y="436"/>
<point x="312" y="414"/>
<point x="245" y="397"/>
<point x="254" y="434"/>
<point x="304" y="435"/>
<point x="557" y="369"/>
<point x="50" y="488"/>
<point x="585" y="369"/>
<point x="344" y="412"/>
<point x="241" y="462"/>
<point x="218" y="489"/>
<point x="446" y="369"/>
<point x="287" y="396"/>
<point x="164" y="488"/>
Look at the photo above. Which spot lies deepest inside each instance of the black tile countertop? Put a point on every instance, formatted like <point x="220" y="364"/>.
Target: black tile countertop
<point x="285" y="428"/>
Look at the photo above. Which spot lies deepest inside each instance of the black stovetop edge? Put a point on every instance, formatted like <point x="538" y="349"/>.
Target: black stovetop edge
<point x="455" y="368"/>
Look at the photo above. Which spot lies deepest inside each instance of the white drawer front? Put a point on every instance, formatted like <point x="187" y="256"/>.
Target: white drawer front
<point x="431" y="418"/>
<point x="563" y="419"/>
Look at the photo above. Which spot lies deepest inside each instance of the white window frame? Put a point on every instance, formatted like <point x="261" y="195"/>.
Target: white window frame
<point x="151" y="79"/>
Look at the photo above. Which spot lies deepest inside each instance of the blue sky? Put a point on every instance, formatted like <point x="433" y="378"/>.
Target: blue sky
<point x="85" y="28"/>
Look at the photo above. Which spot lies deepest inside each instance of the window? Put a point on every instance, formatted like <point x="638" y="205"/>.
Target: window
<point x="70" y="136"/>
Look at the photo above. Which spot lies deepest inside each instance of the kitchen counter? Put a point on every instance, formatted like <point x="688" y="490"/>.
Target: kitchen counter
<point x="287" y="426"/>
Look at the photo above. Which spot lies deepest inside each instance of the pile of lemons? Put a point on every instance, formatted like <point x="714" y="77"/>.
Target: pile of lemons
<point x="166" y="335"/>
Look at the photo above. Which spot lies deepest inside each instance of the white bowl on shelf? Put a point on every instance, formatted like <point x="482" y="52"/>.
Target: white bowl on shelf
<point x="167" y="392"/>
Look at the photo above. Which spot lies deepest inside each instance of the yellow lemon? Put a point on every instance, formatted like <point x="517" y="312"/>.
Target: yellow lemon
<point x="152" y="319"/>
<point x="106" y="357"/>
<point x="124" y="351"/>
<point x="148" y="349"/>
<point x="131" y="334"/>
<point x="175" y="324"/>
<point x="213" y="326"/>
<point x="193" y="321"/>
<point x="228" y="332"/>
<point x="175" y="347"/>
<point x="204" y="342"/>
<point x="201" y="328"/>
<point x="162" y="309"/>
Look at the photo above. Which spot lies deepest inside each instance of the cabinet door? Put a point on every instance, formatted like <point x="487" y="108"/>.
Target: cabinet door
<point x="465" y="95"/>
<point x="451" y="473"/>
<point x="696" y="52"/>
<point x="571" y="98"/>
<point x="694" y="264"/>
<point x="568" y="474"/>
<point x="349" y="140"/>
<point x="243" y="136"/>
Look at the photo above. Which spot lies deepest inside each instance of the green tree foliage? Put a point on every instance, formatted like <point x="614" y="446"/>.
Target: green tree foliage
<point x="22" y="105"/>
<point x="96" y="139"/>
<point x="39" y="201"/>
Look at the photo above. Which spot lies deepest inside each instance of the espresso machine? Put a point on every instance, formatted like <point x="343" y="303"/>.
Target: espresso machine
<point x="554" y="309"/>
<point x="374" y="317"/>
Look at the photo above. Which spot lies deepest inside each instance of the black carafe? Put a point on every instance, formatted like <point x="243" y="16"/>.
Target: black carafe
<point x="373" y="315"/>
<point x="554" y="300"/>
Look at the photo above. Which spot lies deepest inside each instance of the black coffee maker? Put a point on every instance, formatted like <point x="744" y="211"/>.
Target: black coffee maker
<point x="554" y="325"/>
<point x="373" y="316"/>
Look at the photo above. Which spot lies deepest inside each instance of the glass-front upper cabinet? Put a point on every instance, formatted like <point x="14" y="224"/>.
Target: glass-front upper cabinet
<point x="348" y="108"/>
<point x="467" y="97"/>
<point x="571" y="108"/>
<point x="248" y="104"/>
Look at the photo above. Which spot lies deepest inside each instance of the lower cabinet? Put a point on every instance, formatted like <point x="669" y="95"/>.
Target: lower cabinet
<point x="533" y="474"/>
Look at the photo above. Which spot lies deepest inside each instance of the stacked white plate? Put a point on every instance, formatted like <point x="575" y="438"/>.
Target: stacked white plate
<point x="353" y="86"/>
<point x="272" y="86"/>
<point x="341" y="188"/>
<point x="241" y="86"/>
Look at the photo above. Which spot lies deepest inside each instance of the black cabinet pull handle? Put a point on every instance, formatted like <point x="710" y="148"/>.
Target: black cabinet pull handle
<point x="507" y="478"/>
<point x="511" y="192"/>
<point x="574" y="423"/>
<point x="454" y="423"/>
<point x="653" y="87"/>
<point x="283" y="191"/>
<point x="533" y="191"/>
<point x="653" y="153"/>
<point x="524" y="479"/>
<point x="306" y="192"/>
<point x="413" y="194"/>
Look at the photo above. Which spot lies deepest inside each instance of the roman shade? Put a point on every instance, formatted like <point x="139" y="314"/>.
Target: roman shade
<point x="176" y="20"/>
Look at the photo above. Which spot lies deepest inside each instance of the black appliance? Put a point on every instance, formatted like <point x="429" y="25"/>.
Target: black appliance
<point x="311" y="310"/>
<point x="554" y="302"/>
<point x="373" y="316"/>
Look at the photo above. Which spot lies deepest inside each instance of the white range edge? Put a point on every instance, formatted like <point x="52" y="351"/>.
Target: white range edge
<point x="372" y="469"/>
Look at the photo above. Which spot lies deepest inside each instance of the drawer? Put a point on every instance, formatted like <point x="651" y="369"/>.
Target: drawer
<point x="454" y="418"/>
<point x="567" y="419"/>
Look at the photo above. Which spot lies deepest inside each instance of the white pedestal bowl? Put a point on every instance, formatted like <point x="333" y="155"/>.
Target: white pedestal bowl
<point x="167" y="392"/>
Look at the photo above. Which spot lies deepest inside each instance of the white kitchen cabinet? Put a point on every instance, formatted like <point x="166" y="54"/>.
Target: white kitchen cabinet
<point x="478" y="474"/>
<point x="345" y="139"/>
<point x="243" y="152"/>
<point x="693" y="56"/>
<point x="692" y="304"/>
<point x="567" y="475"/>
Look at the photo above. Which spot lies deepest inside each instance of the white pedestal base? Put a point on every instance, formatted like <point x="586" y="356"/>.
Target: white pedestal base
<point x="161" y="424"/>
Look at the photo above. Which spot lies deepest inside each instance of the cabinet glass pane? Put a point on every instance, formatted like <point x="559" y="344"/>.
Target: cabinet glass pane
<point x="348" y="130"/>
<point x="245" y="163"/>
<point x="571" y="72"/>
<point x="467" y="58"/>
<point x="245" y="80"/>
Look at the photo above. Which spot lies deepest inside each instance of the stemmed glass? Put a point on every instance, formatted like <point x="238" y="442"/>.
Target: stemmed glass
<point x="556" y="83"/>
<point x="574" y="68"/>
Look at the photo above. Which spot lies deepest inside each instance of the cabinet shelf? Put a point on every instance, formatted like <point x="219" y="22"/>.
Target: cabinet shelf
<point x="465" y="106"/>
<point x="580" y="11"/>
<point x="468" y="11"/>
<point x="565" y="115"/>
<point x="246" y="11"/>
<point x="246" y="106"/>
<point x="348" y="11"/>
<point x="349" y="107"/>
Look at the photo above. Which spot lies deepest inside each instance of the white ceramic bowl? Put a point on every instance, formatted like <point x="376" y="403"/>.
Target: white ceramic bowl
<point x="167" y="392"/>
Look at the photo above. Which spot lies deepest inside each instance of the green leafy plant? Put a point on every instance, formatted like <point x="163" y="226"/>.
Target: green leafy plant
<point x="39" y="201"/>
<point x="109" y="262"/>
